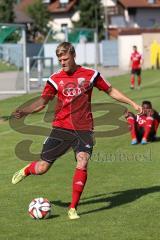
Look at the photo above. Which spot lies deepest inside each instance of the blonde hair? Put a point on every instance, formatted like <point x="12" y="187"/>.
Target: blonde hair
<point x="64" y="48"/>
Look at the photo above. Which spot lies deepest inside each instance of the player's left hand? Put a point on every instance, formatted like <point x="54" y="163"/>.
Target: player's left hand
<point x="18" y="114"/>
<point x="126" y="113"/>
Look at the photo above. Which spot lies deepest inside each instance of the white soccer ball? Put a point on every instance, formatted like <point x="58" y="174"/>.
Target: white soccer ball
<point x="39" y="208"/>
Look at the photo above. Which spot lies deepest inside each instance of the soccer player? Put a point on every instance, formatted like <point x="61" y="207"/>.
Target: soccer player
<point x="73" y="122"/>
<point x="143" y="127"/>
<point x="136" y="62"/>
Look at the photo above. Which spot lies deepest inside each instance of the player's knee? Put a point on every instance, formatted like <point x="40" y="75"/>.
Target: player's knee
<point x="42" y="167"/>
<point x="149" y="119"/>
<point x="131" y="115"/>
<point x="82" y="160"/>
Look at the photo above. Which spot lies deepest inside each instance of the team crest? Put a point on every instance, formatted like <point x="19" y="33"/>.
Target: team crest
<point x="81" y="81"/>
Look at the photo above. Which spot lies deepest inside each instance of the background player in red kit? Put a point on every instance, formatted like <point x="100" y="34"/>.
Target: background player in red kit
<point x="73" y="122"/>
<point x="135" y="64"/>
<point x="143" y="127"/>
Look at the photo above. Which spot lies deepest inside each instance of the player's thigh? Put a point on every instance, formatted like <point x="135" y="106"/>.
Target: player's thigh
<point x="138" y="72"/>
<point x="133" y="72"/>
<point x="55" y="146"/>
<point x="83" y="146"/>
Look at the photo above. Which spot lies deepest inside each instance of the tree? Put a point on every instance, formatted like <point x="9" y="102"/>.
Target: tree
<point x="8" y="33"/>
<point x="91" y="16"/>
<point x="39" y="13"/>
<point x="6" y="11"/>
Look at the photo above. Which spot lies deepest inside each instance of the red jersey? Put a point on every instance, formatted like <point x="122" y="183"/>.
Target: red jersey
<point x="73" y="109"/>
<point x="136" y="58"/>
<point x="141" y="119"/>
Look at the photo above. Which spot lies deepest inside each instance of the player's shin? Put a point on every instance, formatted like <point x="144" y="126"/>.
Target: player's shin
<point x="79" y="180"/>
<point x="147" y="127"/>
<point x="132" y="128"/>
<point x="132" y="80"/>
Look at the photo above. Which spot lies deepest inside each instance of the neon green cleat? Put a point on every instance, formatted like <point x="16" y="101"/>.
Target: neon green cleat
<point x="72" y="214"/>
<point x="19" y="176"/>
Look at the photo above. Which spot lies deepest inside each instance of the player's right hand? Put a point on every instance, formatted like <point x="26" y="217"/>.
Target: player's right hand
<point x="18" y="113"/>
<point x="138" y="108"/>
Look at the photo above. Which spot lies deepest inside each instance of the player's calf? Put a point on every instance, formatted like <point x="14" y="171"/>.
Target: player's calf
<point x="34" y="168"/>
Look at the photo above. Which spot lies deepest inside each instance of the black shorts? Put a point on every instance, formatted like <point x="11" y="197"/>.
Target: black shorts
<point x="140" y="133"/>
<point x="136" y="71"/>
<point x="60" y="140"/>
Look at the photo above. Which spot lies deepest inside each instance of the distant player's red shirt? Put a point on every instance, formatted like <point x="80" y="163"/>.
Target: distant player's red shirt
<point x="141" y="120"/>
<point x="73" y="109"/>
<point x="136" y="58"/>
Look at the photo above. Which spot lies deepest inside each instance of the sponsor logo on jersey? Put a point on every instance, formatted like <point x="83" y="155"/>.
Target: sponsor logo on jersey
<point x="71" y="92"/>
<point x="81" y="81"/>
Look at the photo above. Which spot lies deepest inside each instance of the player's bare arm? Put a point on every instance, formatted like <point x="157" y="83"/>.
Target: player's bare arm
<point x="119" y="96"/>
<point x="130" y="64"/>
<point x="36" y="106"/>
<point x="141" y="62"/>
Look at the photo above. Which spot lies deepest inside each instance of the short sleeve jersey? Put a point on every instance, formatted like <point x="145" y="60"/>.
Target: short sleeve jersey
<point x="136" y="58"/>
<point x="141" y="119"/>
<point x="73" y="91"/>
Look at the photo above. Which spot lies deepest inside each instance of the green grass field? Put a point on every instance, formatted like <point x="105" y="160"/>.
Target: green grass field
<point x="4" y="67"/>
<point x="121" y="200"/>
